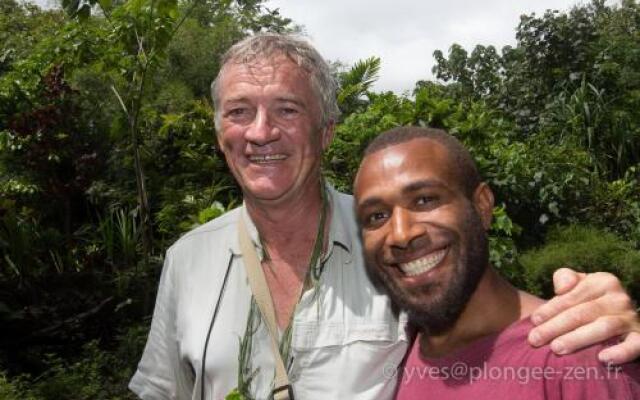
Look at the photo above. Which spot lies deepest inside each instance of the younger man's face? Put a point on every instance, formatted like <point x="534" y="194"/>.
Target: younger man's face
<point x="424" y="239"/>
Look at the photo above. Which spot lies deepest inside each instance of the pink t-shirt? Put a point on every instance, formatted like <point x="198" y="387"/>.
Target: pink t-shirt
<point x="504" y="366"/>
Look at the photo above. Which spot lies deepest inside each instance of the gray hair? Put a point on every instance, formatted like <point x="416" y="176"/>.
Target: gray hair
<point x="268" y="45"/>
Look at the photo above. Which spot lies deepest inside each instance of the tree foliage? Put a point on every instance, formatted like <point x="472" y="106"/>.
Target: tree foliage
<point x="572" y="76"/>
<point x="106" y="104"/>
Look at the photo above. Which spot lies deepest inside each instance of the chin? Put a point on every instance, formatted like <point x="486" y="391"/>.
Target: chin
<point x="265" y="189"/>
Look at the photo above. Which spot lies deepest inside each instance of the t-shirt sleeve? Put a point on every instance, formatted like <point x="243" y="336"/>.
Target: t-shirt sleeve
<point x="581" y="376"/>
<point x="161" y="375"/>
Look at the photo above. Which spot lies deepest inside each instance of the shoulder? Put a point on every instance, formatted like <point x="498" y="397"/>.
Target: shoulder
<point x="512" y="342"/>
<point x="344" y="200"/>
<point x="216" y="226"/>
<point x="343" y="197"/>
<point x="219" y="232"/>
<point x="199" y="258"/>
<point x="577" y="375"/>
<point x="344" y="207"/>
<point x="204" y="248"/>
<point x="581" y="375"/>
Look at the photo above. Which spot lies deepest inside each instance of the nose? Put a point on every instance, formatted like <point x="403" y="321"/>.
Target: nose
<point x="261" y="131"/>
<point x="404" y="229"/>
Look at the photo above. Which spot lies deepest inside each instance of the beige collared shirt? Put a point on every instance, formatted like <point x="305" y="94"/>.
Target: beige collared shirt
<point x="346" y="340"/>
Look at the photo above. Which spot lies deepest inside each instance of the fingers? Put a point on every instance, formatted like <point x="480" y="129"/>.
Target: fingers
<point x="592" y="308"/>
<point x="565" y="326"/>
<point x="565" y="279"/>
<point x="614" y="310"/>
<point x="599" y="285"/>
<point x="587" y="334"/>
<point x="624" y="352"/>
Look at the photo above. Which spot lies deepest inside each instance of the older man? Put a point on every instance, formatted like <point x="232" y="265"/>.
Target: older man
<point x="286" y="270"/>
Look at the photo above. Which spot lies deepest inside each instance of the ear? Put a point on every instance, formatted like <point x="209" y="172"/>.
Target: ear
<point x="327" y="134"/>
<point x="483" y="203"/>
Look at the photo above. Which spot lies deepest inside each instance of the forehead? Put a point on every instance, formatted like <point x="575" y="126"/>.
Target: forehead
<point x="264" y="71"/>
<point x="402" y="164"/>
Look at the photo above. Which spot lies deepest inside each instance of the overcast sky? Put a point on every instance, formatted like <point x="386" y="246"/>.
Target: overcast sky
<point x="405" y="33"/>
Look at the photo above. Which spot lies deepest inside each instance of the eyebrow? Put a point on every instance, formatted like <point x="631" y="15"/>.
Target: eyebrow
<point x="422" y="184"/>
<point x="281" y="99"/>
<point x="239" y="99"/>
<point x="413" y="187"/>
<point x="292" y="99"/>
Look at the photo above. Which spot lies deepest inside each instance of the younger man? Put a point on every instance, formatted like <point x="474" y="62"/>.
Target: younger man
<point x="424" y="213"/>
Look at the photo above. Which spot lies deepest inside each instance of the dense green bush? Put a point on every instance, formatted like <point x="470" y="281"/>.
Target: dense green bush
<point x="585" y="249"/>
<point x="15" y="389"/>
<point x="95" y="373"/>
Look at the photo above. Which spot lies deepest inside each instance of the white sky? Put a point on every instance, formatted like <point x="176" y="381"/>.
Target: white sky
<point x="405" y="33"/>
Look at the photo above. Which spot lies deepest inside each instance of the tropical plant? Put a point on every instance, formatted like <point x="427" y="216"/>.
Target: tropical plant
<point x="355" y="83"/>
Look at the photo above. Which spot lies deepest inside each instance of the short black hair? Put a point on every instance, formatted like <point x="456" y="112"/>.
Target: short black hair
<point x="466" y="169"/>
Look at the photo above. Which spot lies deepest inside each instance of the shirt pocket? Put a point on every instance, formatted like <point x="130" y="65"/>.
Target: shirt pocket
<point x="334" y="361"/>
<point x="314" y="335"/>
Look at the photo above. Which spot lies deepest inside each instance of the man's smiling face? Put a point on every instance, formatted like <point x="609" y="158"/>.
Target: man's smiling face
<point x="424" y="239"/>
<point x="271" y="133"/>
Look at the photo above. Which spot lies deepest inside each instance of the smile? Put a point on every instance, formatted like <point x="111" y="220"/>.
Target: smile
<point x="424" y="264"/>
<point x="266" y="158"/>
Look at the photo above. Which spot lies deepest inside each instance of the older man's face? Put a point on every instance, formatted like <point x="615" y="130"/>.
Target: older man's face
<point x="271" y="134"/>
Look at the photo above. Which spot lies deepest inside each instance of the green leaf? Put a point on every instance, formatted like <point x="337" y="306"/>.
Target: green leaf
<point x="105" y="4"/>
<point x="71" y="6"/>
<point x="234" y="395"/>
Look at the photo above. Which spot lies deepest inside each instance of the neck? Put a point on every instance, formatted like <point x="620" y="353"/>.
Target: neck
<point x="289" y="229"/>
<point x="297" y="215"/>
<point x="494" y="305"/>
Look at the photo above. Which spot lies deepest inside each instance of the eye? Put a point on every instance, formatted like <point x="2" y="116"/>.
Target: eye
<point x="375" y="219"/>
<point x="236" y="112"/>
<point x="426" y="200"/>
<point x="288" y="112"/>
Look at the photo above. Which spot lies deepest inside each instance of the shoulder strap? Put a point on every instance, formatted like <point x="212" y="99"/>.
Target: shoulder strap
<point x="260" y="290"/>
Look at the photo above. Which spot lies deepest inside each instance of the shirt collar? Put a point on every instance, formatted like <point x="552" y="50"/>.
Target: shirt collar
<point x="339" y="227"/>
<point x="341" y="221"/>
<point x="253" y="233"/>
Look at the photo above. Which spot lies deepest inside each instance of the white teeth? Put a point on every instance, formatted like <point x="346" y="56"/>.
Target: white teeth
<point x="424" y="264"/>
<point x="265" y="158"/>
